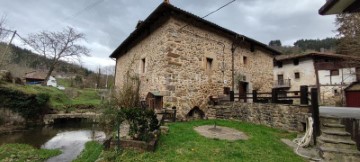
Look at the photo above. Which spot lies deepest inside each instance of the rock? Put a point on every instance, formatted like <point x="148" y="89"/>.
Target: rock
<point x="164" y="129"/>
<point x="5" y="75"/>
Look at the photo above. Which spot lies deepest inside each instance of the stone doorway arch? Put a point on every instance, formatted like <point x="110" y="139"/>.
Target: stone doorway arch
<point x="195" y="113"/>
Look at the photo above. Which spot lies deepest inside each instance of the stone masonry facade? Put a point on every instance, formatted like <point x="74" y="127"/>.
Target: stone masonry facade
<point x="282" y="116"/>
<point x="189" y="65"/>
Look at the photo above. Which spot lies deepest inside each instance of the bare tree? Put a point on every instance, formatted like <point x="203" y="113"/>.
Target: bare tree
<point x="56" y="46"/>
<point x="3" y="32"/>
<point x="4" y="50"/>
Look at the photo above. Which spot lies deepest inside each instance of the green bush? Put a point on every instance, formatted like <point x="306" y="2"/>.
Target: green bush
<point x="142" y="123"/>
<point x="29" y="106"/>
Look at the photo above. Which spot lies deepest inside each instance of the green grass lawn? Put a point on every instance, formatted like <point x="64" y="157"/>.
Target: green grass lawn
<point x="58" y="98"/>
<point x="184" y="144"/>
<point x="90" y="153"/>
<point x="23" y="152"/>
<point x="87" y="96"/>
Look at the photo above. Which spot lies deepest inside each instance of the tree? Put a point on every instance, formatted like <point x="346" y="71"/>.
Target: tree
<point x="57" y="46"/>
<point x="349" y="33"/>
<point x="4" y="50"/>
<point x="275" y="43"/>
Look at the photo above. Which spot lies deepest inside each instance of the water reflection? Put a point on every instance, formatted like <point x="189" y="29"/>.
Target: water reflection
<point x="68" y="137"/>
<point x="71" y="143"/>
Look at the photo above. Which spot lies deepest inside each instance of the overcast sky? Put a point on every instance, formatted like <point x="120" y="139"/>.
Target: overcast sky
<point x="106" y="23"/>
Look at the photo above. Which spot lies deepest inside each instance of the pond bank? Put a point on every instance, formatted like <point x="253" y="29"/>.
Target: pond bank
<point x="69" y="138"/>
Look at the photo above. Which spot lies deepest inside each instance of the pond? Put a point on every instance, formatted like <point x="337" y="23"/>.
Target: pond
<point x="69" y="137"/>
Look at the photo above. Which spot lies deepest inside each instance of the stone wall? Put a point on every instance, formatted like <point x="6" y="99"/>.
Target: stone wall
<point x="332" y="95"/>
<point x="189" y="65"/>
<point x="9" y="117"/>
<point x="286" y="117"/>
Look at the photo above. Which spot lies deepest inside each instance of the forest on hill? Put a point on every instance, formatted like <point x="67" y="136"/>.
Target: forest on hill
<point x="307" y="45"/>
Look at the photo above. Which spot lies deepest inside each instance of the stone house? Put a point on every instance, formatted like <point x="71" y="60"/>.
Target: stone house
<point x="330" y="73"/>
<point x="181" y="60"/>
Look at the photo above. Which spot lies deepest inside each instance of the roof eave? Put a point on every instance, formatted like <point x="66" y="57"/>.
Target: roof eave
<point x="337" y="7"/>
<point x="165" y="6"/>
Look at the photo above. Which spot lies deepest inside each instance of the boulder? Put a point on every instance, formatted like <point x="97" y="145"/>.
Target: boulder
<point x="5" y="75"/>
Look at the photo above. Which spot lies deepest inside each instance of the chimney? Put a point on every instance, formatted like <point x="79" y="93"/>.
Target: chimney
<point x="167" y="1"/>
<point x="139" y="23"/>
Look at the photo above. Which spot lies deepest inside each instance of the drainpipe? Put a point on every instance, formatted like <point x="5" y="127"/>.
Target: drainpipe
<point x="233" y="47"/>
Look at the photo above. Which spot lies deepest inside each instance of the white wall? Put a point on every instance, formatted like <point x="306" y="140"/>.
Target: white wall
<point x="51" y="82"/>
<point x="305" y="68"/>
<point x="346" y="75"/>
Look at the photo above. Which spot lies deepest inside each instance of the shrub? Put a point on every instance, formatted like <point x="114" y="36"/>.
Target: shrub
<point x="142" y="123"/>
<point x="29" y="106"/>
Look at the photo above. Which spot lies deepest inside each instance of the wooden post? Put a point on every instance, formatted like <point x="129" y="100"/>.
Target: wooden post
<point x="232" y="97"/>
<point x="254" y="95"/>
<point x="274" y="95"/>
<point x="315" y="113"/>
<point x="304" y="95"/>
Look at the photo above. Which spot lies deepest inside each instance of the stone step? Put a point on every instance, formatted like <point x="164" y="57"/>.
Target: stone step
<point x="330" y="120"/>
<point x="332" y="127"/>
<point x="327" y="125"/>
<point x="336" y="134"/>
<point x="336" y="143"/>
<point x="336" y="154"/>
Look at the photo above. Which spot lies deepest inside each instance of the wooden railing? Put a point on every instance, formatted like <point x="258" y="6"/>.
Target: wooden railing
<point x="284" y="83"/>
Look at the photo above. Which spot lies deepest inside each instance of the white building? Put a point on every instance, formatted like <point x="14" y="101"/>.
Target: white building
<point x="330" y="73"/>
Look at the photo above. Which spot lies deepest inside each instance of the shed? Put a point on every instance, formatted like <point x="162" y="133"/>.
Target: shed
<point x="154" y="100"/>
<point x="352" y="94"/>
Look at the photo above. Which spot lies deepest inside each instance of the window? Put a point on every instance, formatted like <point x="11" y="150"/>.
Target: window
<point x="297" y="75"/>
<point x="279" y="64"/>
<point x="334" y="72"/>
<point x="143" y="65"/>
<point x="244" y="60"/>
<point x="209" y="63"/>
<point x="296" y="62"/>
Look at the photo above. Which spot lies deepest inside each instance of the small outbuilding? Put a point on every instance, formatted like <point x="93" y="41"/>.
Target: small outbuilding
<point x="352" y="94"/>
<point x="35" y="77"/>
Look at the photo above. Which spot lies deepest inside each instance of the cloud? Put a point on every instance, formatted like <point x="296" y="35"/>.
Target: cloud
<point x="106" y="23"/>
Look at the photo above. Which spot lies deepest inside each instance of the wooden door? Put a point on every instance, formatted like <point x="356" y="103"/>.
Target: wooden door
<point x="352" y="99"/>
<point x="243" y="91"/>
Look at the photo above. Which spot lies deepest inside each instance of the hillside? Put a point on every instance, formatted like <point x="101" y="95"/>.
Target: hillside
<point x="307" y="45"/>
<point x="29" y="60"/>
<point x="60" y="100"/>
<point x="22" y="61"/>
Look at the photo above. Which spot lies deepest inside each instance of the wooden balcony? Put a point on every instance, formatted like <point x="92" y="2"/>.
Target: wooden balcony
<point x="284" y="83"/>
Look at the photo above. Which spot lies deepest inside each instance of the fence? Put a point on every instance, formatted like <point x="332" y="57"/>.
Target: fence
<point x="352" y="126"/>
<point x="277" y="96"/>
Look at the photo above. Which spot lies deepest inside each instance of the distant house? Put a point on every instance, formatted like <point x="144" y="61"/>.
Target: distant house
<point x="330" y="73"/>
<point x="182" y="60"/>
<point x="352" y="94"/>
<point x="340" y="6"/>
<point x="36" y="77"/>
